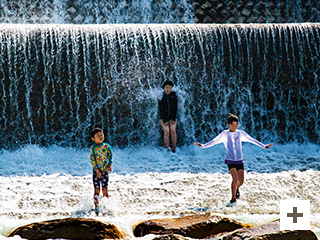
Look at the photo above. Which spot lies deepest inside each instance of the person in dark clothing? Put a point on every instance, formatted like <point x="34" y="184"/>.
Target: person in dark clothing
<point x="168" y="107"/>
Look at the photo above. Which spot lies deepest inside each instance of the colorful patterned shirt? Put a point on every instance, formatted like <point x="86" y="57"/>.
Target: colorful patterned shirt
<point x="101" y="156"/>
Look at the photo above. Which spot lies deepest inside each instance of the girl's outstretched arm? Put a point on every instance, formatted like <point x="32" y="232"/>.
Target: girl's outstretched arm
<point x="269" y="145"/>
<point x="218" y="139"/>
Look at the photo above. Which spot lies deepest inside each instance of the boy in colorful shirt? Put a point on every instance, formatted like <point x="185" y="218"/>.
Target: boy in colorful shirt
<point x="101" y="158"/>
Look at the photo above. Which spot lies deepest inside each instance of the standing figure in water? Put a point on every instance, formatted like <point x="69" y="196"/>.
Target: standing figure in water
<point x="101" y="158"/>
<point x="168" y="107"/>
<point x="232" y="140"/>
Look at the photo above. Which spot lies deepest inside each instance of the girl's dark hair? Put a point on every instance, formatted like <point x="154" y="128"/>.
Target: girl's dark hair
<point x="232" y="118"/>
<point x="95" y="131"/>
<point x="167" y="83"/>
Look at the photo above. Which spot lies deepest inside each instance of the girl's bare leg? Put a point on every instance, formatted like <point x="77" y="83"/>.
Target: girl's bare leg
<point x="237" y="181"/>
<point x="173" y="126"/>
<point x="166" y="130"/>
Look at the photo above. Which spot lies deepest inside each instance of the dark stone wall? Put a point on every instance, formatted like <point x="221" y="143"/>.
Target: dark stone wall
<point x="95" y="11"/>
<point x="272" y="11"/>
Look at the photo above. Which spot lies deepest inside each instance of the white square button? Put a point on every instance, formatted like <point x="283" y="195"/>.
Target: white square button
<point x="294" y="215"/>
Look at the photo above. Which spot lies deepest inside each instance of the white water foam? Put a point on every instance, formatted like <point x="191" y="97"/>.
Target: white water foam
<point x="35" y="161"/>
<point x="46" y="183"/>
<point x="137" y="197"/>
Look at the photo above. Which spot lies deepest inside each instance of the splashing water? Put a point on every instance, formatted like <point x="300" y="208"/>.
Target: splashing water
<point x="58" y="81"/>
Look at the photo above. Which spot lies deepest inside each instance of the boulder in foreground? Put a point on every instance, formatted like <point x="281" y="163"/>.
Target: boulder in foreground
<point x="171" y="237"/>
<point x="193" y="226"/>
<point x="69" y="228"/>
<point x="269" y="231"/>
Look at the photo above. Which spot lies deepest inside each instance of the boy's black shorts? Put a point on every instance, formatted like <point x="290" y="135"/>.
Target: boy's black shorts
<point x="103" y="180"/>
<point x="236" y="166"/>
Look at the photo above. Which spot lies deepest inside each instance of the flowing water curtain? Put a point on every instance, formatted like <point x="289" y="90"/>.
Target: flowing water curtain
<point x="95" y="11"/>
<point x="58" y="81"/>
<point x="267" y="71"/>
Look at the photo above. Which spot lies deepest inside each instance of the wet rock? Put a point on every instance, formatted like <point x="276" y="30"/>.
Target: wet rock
<point x="207" y="19"/>
<point x="257" y="11"/>
<point x="218" y="6"/>
<point x="206" y="5"/>
<point x="212" y="13"/>
<point x="71" y="10"/>
<point x="194" y="226"/>
<point x="69" y="228"/>
<point x="199" y="12"/>
<point x="245" y="12"/>
<point x="196" y="5"/>
<point x="170" y="237"/>
<point x="270" y="231"/>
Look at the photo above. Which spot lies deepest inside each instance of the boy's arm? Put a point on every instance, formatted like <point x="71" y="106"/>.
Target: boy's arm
<point x="110" y="157"/>
<point x="93" y="160"/>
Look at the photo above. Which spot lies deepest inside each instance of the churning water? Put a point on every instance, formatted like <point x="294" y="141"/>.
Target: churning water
<point x="41" y="183"/>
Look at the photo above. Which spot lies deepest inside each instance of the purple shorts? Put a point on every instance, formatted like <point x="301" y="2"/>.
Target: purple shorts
<point x="104" y="179"/>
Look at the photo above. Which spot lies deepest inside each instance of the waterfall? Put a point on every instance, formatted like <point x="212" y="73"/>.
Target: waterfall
<point x="58" y="81"/>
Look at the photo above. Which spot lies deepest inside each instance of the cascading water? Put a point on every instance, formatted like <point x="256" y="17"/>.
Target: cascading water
<point x="58" y="81"/>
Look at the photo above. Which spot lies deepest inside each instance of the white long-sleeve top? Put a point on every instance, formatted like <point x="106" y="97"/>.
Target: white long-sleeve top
<point x="233" y="143"/>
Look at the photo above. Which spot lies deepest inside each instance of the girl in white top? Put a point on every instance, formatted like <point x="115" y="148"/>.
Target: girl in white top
<point x="232" y="140"/>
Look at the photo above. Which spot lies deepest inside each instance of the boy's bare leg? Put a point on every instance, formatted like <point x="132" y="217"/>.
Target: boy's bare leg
<point x="95" y="197"/>
<point x="166" y="130"/>
<point x="173" y="126"/>
<point x="105" y="192"/>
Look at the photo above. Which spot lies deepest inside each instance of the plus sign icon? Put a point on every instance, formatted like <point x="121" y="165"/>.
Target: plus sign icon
<point x="294" y="215"/>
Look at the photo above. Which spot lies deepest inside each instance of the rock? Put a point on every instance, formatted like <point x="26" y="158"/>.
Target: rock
<point x="199" y="12"/>
<point x="194" y="226"/>
<point x="241" y="19"/>
<point x="271" y="19"/>
<point x="71" y="10"/>
<point x="245" y="12"/>
<point x="196" y="5"/>
<point x="207" y="19"/>
<point x="69" y="228"/>
<point x="218" y="6"/>
<point x="212" y="13"/>
<point x="201" y="1"/>
<point x="206" y="5"/>
<point x="269" y="231"/>
<point x="249" y="3"/>
<point x="170" y="237"/>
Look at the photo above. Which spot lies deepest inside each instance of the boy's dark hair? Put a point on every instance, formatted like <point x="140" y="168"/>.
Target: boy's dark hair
<point x="95" y="131"/>
<point x="232" y="118"/>
<point x="167" y="83"/>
